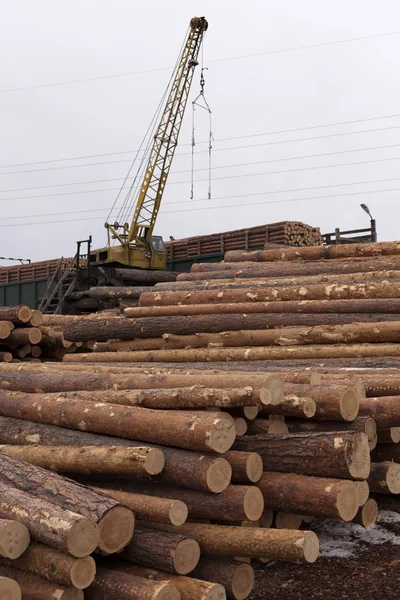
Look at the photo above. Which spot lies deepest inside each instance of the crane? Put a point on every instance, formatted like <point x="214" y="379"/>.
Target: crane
<point x="138" y="247"/>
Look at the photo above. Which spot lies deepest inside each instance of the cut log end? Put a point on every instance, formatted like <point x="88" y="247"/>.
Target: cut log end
<point x="187" y="555"/>
<point x="219" y="475"/>
<point x="370" y="429"/>
<point x="14" y="539"/>
<point x="363" y="491"/>
<point x="350" y="404"/>
<point x="154" y="462"/>
<point x="24" y="314"/>
<point x="242" y="581"/>
<point x="254" y="467"/>
<point x="310" y="544"/>
<point x="368" y="514"/>
<point x="276" y="426"/>
<point x="9" y="589"/>
<point x="83" y="572"/>
<point x="393" y="478"/>
<point x="166" y="591"/>
<point x="253" y="503"/>
<point x="215" y="591"/>
<point x="275" y="385"/>
<point x="222" y="435"/>
<point x="315" y="378"/>
<point x="240" y="426"/>
<point x="178" y="513"/>
<point x="265" y="396"/>
<point x="309" y="407"/>
<point x="288" y="521"/>
<point x="359" y="457"/>
<point x="83" y="537"/>
<point x="347" y="501"/>
<point x="250" y="412"/>
<point x="267" y="518"/>
<point x="116" y="529"/>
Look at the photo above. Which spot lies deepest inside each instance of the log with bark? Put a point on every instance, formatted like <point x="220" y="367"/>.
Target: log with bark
<point x="367" y="515"/>
<point x="16" y="314"/>
<point x="246" y="466"/>
<point x="342" y="454"/>
<point x="363" y="491"/>
<point x="291" y="406"/>
<point x="14" y="538"/>
<point x="9" y="589"/>
<point x="237" y="578"/>
<point x="366" y="425"/>
<point x="384" y="410"/>
<point x="384" y="477"/>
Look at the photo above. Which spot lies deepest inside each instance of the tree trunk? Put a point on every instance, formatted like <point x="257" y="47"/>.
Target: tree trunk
<point x="144" y="275"/>
<point x="149" y="508"/>
<point x="16" y="314"/>
<point x="267" y="426"/>
<point x="237" y="578"/>
<point x="56" y="566"/>
<point x="229" y="541"/>
<point x="390" y="435"/>
<point x="192" y="470"/>
<point x="61" y="529"/>
<point x="342" y="454"/>
<point x="363" y="491"/>
<point x="111" y="584"/>
<point x="317" y="252"/>
<point x="236" y="503"/>
<point x="91" y="460"/>
<point x="291" y="406"/>
<point x="247" y="467"/>
<point x="314" y="496"/>
<point x="384" y="477"/>
<point x="201" y="431"/>
<point x="171" y="552"/>
<point x="188" y="587"/>
<point x="5" y="329"/>
<point x="115" y="522"/>
<point x="25" y="335"/>
<point x="36" y="588"/>
<point x="333" y="402"/>
<point x="100" y="293"/>
<point x="368" y="514"/>
<point x="366" y="425"/>
<point x="384" y="410"/>
<point x="14" y="538"/>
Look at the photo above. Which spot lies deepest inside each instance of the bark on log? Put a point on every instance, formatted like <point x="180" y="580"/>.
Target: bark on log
<point x="137" y="461"/>
<point x="287" y="521"/>
<point x="14" y="538"/>
<point x="333" y="402"/>
<point x="149" y="508"/>
<point x="366" y="425"/>
<point x="144" y="275"/>
<point x="115" y="522"/>
<point x="188" y="587"/>
<point x="56" y="566"/>
<point x="267" y="426"/>
<point x="244" y="354"/>
<point x="100" y="293"/>
<point x="384" y="410"/>
<point x="314" y="496"/>
<point x="36" y="588"/>
<point x="343" y="455"/>
<point x="171" y="552"/>
<point x="199" y="431"/>
<point x="317" y="252"/>
<point x="61" y="529"/>
<point x="16" y="314"/>
<point x="9" y="589"/>
<point x="291" y="406"/>
<point x="202" y="472"/>
<point x="355" y="291"/>
<point x="391" y="435"/>
<point x="25" y="335"/>
<point x="246" y="466"/>
<point x="385" y="477"/>
<point x="236" y="503"/>
<point x="229" y="541"/>
<point x="237" y="578"/>
<point x="114" y="585"/>
<point x="6" y="357"/>
<point x="368" y="514"/>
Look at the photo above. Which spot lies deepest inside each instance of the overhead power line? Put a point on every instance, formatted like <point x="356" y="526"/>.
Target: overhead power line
<point x="216" y="60"/>
<point x="228" y="139"/>
<point x="241" y="205"/>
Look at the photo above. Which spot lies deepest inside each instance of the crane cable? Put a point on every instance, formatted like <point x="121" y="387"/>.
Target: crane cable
<point x="201" y="102"/>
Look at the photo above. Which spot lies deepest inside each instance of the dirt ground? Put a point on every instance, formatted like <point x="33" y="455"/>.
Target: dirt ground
<point x="355" y="563"/>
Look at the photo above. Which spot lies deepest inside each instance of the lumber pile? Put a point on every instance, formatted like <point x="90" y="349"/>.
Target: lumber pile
<point x="284" y="232"/>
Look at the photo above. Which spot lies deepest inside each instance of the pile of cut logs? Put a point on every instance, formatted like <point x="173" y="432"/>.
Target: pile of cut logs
<point x="24" y="337"/>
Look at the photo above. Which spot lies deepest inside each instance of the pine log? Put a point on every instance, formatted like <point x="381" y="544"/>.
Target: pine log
<point x="333" y="402"/>
<point x="36" y="319"/>
<point x="342" y="454"/>
<point x="5" y="329"/>
<point x="171" y="552"/>
<point x="229" y="541"/>
<point x="267" y="426"/>
<point x="287" y="521"/>
<point x="139" y="461"/>
<point x="143" y="275"/>
<point x="314" y="496"/>
<point x="385" y="477"/>
<point x="366" y="425"/>
<point x="55" y="566"/>
<point x="61" y="529"/>
<point x="195" y="431"/>
<point x="14" y="538"/>
<point x="317" y="252"/>
<point x="115" y="522"/>
<point x="390" y="435"/>
<point x="9" y="589"/>
<point x="100" y="293"/>
<point x="246" y="466"/>
<point x="111" y="584"/>
<point x="6" y="357"/>
<point x="363" y="491"/>
<point x="237" y="578"/>
<point x="240" y="426"/>
<point x="202" y="472"/>
<point x="367" y="515"/>
<point x="267" y="518"/>
<point x="291" y="406"/>
<point x="149" y="508"/>
<point x="16" y="314"/>
<point x="188" y="587"/>
<point x="236" y="503"/>
<point x="25" y="335"/>
<point x="384" y="410"/>
<point x="355" y="291"/>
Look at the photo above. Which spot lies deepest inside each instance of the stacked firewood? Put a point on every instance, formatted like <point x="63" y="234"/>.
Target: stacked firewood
<point x="24" y="337"/>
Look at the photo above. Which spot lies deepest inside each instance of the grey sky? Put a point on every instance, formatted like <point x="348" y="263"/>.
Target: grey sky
<point x="50" y="41"/>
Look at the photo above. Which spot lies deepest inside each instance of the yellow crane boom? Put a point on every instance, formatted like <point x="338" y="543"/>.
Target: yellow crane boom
<point x="137" y="246"/>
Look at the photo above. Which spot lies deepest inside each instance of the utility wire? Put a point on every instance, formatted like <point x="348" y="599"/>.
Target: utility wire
<point x="216" y="60"/>
<point x="228" y="139"/>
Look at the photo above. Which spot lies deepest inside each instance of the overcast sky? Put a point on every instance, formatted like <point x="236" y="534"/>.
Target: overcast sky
<point x="258" y="82"/>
